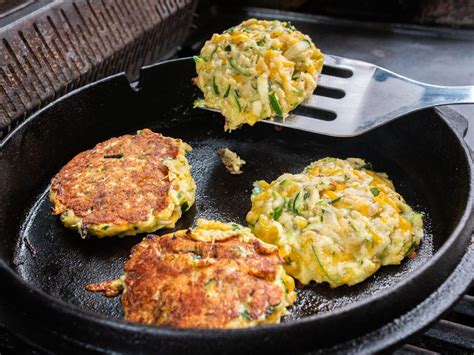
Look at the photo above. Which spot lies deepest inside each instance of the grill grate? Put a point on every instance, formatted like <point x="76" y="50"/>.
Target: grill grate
<point x="66" y="44"/>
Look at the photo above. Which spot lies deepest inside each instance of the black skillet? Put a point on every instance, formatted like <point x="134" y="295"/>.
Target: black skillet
<point x="44" y="267"/>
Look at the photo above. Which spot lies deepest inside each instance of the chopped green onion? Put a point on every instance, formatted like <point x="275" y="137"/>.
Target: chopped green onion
<point x="184" y="207"/>
<point x="235" y="226"/>
<point x="236" y="95"/>
<point x="227" y="91"/>
<point x="246" y="314"/>
<point x="275" y="104"/>
<point x="321" y="265"/>
<point x="214" y="85"/>
<point x="277" y="213"/>
<point x="375" y="191"/>
<point x="296" y="205"/>
<point x="261" y="42"/>
<point x="228" y="48"/>
<point x="212" y="54"/>
<point x="353" y="227"/>
<point x="285" y="183"/>
<point x="240" y="69"/>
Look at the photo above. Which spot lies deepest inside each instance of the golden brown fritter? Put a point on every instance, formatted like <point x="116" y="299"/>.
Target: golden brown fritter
<point x="125" y="185"/>
<point x="215" y="276"/>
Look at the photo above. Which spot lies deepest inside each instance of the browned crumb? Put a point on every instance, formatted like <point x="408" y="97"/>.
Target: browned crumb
<point x="231" y="161"/>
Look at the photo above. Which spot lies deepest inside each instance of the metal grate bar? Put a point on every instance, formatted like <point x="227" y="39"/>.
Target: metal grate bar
<point x="465" y="306"/>
<point x="413" y="350"/>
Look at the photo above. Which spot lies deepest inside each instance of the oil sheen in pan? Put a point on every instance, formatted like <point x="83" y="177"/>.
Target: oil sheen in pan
<point x="56" y="260"/>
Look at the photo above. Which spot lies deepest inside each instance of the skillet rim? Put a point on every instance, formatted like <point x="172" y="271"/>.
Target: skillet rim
<point x="203" y="334"/>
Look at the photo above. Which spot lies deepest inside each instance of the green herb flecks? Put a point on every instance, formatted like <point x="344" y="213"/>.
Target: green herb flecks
<point x="285" y="183"/>
<point x="104" y="228"/>
<point x="212" y="54"/>
<point x="239" y="68"/>
<point x="321" y="265"/>
<point x="228" y="48"/>
<point x="237" y="102"/>
<point x="298" y="203"/>
<point x="275" y="104"/>
<point x="261" y="42"/>
<point x="227" y="91"/>
<point x="235" y="226"/>
<point x="214" y="86"/>
<point x="375" y="191"/>
<point x="246" y="314"/>
<point x="276" y="214"/>
<point x="296" y="76"/>
<point x="184" y="207"/>
<point x="353" y="227"/>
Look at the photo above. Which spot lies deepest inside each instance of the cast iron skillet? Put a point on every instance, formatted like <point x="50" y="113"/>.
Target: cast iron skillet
<point x="44" y="267"/>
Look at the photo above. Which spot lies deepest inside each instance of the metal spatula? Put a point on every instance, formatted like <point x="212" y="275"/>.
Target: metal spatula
<point x="354" y="97"/>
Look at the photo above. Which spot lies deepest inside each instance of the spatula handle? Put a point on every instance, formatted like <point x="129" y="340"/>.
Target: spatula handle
<point x="448" y="95"/>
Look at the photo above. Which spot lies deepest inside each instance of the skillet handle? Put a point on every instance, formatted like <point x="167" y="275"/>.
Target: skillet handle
<point x="455" y="120"/>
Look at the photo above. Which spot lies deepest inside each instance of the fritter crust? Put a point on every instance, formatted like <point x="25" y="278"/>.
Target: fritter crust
<point x="188" y="279"/>
<point x="120" y="182"/>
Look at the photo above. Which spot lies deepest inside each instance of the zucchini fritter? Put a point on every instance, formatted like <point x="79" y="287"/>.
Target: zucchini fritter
<point x="215" y="276"/>
<point x="124" y="186"/>
<point x="336" y="222"/>
<point x="257" y="70"/>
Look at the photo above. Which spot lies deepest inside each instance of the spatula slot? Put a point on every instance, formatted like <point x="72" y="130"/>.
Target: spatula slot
<point x="337" y="71"/>
<point x="316" y="113"/>
<point x="329" y="92"/>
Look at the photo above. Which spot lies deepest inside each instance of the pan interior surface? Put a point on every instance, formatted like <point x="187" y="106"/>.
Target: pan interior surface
<point x="59" y="262"/>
